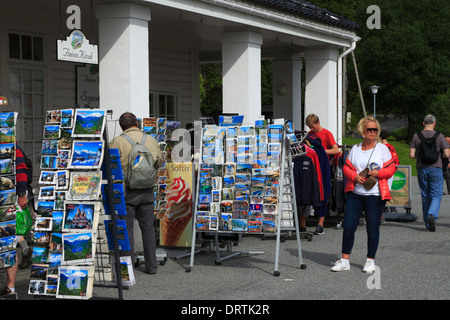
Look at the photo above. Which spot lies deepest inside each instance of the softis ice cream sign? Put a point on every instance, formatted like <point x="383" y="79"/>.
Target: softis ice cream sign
<point x="76" y="48"/>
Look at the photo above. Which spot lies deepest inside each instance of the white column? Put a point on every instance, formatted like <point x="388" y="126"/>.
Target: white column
<point x="287" y="93"/>
<point x="124" y="60"/>
<point x="241" y="66"/>
<point x="321" y="87"/>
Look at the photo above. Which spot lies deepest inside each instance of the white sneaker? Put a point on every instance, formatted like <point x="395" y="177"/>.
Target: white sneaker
<point x="341" y="265"/>
<point x="369" y="266"/>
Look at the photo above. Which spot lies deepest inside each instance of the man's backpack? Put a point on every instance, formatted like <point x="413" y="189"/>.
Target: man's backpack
<point x="141" y="173"/>
<point x="428" y="152"/>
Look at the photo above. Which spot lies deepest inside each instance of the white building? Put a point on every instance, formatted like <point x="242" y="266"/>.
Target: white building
<point x="149" y="52"/>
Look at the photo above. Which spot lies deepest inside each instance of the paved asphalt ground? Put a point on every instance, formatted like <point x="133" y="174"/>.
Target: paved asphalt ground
<point x="413" y="265"/>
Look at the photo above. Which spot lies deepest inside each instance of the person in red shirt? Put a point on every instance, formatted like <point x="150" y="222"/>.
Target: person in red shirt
<point x="383" y="138"/>
<point x="326" y="137"/>
<point x="331" y="149"/>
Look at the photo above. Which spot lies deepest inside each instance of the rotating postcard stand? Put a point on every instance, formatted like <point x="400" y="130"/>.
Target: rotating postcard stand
<point x="113" y="228"/>
<point x="207" y="218"/>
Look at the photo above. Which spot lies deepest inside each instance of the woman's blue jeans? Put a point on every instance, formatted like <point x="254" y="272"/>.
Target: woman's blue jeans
<point x="354" y="206"/>
<point x="431" y="182"/>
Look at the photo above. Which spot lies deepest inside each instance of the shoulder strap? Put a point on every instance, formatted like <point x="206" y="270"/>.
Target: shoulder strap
<point x="128" y="138"/>
<point x="420" y="135"/>
<point x="436" y="134"/>
<point x="144" y="138"/>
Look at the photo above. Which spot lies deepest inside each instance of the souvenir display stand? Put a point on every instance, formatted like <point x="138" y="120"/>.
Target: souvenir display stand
<point x="244" y="185"/>
<point x="8" y="208"/>
<point x="73" y="240"/>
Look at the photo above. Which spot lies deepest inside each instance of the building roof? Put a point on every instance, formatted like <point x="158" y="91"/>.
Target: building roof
<point x="309" y="10"/>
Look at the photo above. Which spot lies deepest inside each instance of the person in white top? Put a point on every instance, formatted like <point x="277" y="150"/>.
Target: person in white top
<point x="367" y="169"/>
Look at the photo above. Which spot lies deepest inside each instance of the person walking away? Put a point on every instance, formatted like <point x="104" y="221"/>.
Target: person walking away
<point x="139" y="202"/>
<point x="368" y="167"/>
<point x="331" y="149"/>
<point x="446" y="169"/>
<point x="428" y="147"/>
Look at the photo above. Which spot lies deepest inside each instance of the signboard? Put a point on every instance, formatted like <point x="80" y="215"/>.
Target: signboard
<point x="176" y="221"/>
<point x="401" y="188"/>
<point x="88" y="86"/>
<point x="76" y="48"/>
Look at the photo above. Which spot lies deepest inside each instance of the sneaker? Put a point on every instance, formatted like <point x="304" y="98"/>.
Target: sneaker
<point x="319" y="230"/>
<point x="431" y="223"/>
<point x="369" y="266"/>
<point x="341" y="265"/>
<point x="7" y="294"/>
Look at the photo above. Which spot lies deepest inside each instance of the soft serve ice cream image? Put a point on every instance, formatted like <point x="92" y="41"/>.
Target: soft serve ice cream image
<point x="178" y="212"/>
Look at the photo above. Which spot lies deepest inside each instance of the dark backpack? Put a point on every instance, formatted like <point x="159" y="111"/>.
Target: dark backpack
<point x="428" y="152"/>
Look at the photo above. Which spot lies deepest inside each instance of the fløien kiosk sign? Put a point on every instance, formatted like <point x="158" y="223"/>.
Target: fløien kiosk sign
<point x="76" y="48"/>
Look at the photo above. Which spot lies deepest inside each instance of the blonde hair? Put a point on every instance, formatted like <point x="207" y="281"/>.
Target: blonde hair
<point x="363" y="123"/>
<point x="311" y="119"/>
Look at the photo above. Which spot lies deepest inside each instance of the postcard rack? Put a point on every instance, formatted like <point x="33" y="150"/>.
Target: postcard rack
<point x="282" y="193"/>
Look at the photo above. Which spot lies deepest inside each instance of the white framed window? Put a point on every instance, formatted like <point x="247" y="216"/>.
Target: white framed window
<point x="163" y="105"/>
<point x="27" y="86"/>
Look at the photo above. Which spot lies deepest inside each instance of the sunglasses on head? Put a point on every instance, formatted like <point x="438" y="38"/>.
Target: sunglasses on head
<point x="372" y="129"/>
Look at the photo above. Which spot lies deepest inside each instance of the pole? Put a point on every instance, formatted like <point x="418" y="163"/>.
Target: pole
<point x="374" y="104"/>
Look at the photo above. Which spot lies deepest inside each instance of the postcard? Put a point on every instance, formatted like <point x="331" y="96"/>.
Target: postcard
<point x="52" y="132"/>
<point x="45" y="208"/>
<point x="78" y="248"/>
<point x="7" y="197"/>
<point x="8" y="243"/>
<point x="48" y="162"/>
<point x="86" y="155"/>
<point x="126" y="271"/>
<point x="8" y="182"/>
<point x="43" y="224"/>
<point x="75" y="282"/>
<point x="37" y="287"/>
<point x="7" y="135"/>
<point x="8" y="119"/>
<point x="84" y="185"/>
<point x="57" y="219"/>
<point x="8" y="259"/>
<point x="81" y="216"/>
<point x="7" y="166"/>
<point x="41" y="239"/>
<point x="47" y="177"/>
<point x="66" y="113"/>
<point x="60" y="195"/>
<point x="47" y="193"/>
<point x="62" y="179"/>
<point x="89" y="123"/>
<point x="7" y="150"/>
<point x="56" y="242"/>
<point x="39" y="271"/>
<point x="7" y="213"/>
<point x="52" y="284"/>
<point x="65" y="143"/>
<point x="53" y="116"/>
<point x="39" y="255"/>
<point x="66" y="123"/>
<point x="202" y="222"/>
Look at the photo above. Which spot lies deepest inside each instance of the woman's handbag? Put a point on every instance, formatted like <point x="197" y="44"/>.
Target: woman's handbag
<point x="370" y="180"/>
